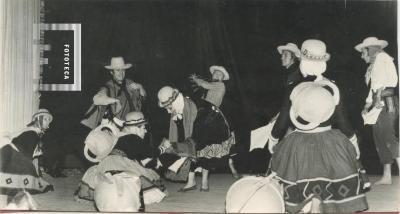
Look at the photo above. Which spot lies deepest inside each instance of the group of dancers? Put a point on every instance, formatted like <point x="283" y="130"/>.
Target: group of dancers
<point x="315" y="154"/>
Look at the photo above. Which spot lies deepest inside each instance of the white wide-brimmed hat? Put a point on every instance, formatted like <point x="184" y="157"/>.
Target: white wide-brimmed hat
<point x="100" y="143"/>
<point x="166" y="96"/>
<point x="42" y="112"/>
<point x="248" y="195"/>
<point x="220" y="68"/>
<point x="371" y="41"/>
<point x="289" y="47"/>
<point x="313" y="103"/>
<point x="118" y="63"/>
<point x="314" y="50"/>
<point x="313" y="57"/>
<point x="135" y="118"/>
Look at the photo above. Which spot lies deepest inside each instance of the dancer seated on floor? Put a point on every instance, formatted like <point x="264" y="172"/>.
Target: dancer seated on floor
<point x="19" y="168"/>
<point x="316" y="160"/>
<point x="122" y="152"/>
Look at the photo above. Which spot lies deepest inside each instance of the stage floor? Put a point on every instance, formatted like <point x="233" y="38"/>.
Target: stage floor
<point x="385" y="198"/>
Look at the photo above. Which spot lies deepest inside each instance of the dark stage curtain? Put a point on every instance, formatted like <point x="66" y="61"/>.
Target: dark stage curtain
<point x="166" y="41"/>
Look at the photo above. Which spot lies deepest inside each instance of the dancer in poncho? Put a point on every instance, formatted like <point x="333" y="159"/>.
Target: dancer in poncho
<point x="198" y="132"/>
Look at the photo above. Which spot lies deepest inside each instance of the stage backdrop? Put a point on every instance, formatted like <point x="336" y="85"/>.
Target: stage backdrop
<point x="166" y="41"/>
<point x="19" y="63"/>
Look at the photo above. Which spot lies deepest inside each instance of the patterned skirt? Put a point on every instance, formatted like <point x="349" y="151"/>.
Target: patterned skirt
<point x="17" y="173"/>
<point x="322" y="164"/>
<point x="217" y="150"/>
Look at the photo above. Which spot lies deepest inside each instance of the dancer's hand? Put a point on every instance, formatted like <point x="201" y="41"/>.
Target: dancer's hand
<point x="118" y="106"/>
<point x="137" y="86"/>
<point x="193" y="77"/>
<point x="378" y="104"/>
<point x="164" y="145"/>
<point x="354" y="142"/>
<point x="271" y="144"/>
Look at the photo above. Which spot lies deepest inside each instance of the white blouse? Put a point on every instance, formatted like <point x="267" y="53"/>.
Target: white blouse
<point x="381" y="74"/>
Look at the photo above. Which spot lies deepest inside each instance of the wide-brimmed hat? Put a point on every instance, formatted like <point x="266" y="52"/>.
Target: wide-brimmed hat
<point x="220" y="68"/>
<point x="100" y="142"/>
<point x="166" y="96"/>
<point x="371" y="41"/>
<point x="42" y="112"/>
<point x="314" y="50"/>
<point x="313" y="104"/>
<point x="289" y="47"/>
<point x="248" y="195"/>
<point x="135" y="118"/>
<point x="118" y="63"/>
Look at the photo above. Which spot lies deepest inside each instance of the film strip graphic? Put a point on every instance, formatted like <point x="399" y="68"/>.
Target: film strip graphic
<point x="60" y="55"/>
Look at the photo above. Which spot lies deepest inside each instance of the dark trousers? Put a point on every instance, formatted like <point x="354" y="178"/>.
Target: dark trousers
<point x="168" y="159"/>
<point x="75" y="142"/>
<point x="385" y="136"/>
<point x="58" y="145"/>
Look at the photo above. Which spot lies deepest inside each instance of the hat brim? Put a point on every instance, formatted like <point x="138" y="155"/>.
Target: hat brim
<point x="126" y="66"/>
<point x="88" y="157"/>
<point x="324" y="58"/>
<point x="99" y="157"/>
<point x="381" y="43"/>
<point x="144" y="122"/>
<point x="226" y="74"/>
<point x="282" y="48"/>
<point x="43" y="114"/>
<point x="306" y="127"/>
<point x="170" y="100"/>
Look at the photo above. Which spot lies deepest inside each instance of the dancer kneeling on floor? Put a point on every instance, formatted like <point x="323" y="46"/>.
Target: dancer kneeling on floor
<point x="198" y="131"/>
<point x="122" y="151"/>
<point x="19" y="167"/>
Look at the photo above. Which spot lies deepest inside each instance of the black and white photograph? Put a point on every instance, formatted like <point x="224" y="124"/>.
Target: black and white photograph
<point x="199" y="106"/>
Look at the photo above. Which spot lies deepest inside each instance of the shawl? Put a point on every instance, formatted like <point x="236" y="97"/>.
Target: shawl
<point x="189" y="116"/>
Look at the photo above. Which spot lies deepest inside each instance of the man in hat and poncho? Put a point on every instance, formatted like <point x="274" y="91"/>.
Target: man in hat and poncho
<point x="120" y="94"/>
<point x="113" y="101"/>
<point x="199" y="132"/>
